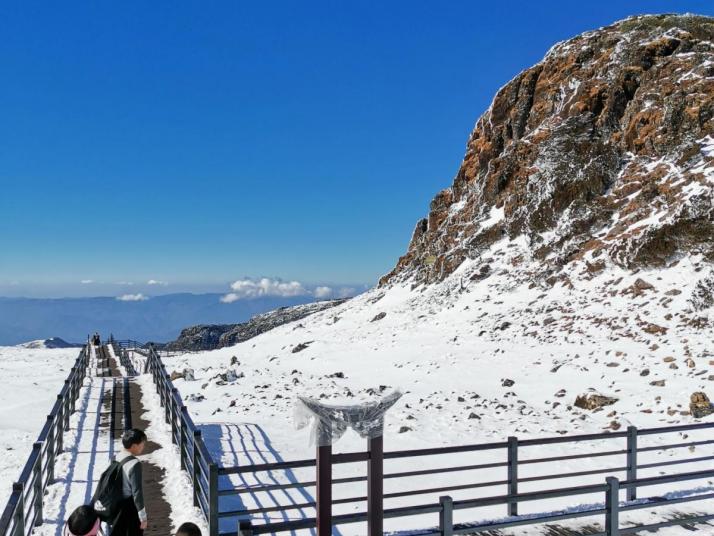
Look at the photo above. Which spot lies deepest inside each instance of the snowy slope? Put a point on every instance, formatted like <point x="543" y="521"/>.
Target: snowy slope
<point x="451" y="345"/>
<point x="31" y="379"/>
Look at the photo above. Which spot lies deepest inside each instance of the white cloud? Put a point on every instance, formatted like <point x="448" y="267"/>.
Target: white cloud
<point x="127" y="283"/>
<point x="347" y="292"/>
<point x="323" y="292"/>
<point x="132" y="297"/>
<point x="248" y="288"/>
<point x="156" y="282"/>
<point x="87" y="281"/>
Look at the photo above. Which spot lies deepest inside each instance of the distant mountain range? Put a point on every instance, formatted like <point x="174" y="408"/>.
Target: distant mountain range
<point x="158" y="319"/>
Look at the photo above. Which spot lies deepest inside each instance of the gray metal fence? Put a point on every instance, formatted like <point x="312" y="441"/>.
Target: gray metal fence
<point x="23" y="510"/>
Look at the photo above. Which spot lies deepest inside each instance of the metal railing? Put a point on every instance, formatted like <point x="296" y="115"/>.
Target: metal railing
<point x="24" y="509"/>
<point x="511" y="463"/>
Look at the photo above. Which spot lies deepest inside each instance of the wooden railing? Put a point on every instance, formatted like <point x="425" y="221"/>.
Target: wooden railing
<point x="24" y="509"/>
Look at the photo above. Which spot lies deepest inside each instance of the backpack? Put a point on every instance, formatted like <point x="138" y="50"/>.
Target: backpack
<point x="109" y="494"/>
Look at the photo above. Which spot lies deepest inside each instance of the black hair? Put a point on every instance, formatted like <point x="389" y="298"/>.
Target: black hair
<point x="188" y="529"/>
<point x="82" y="520"/>
<point x="133" y="436"/>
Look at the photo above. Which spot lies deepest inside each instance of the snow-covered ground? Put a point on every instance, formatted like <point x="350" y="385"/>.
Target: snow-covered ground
<point x="31" y="380"/>
<point x="479" y="359"/>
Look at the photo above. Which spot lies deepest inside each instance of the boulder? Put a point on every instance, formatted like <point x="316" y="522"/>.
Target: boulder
<point x="593" y="401"/>
<point x="699" y="405"/>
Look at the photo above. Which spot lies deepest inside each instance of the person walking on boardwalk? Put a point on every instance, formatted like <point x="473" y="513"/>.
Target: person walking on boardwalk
<point x="132" y="519"/>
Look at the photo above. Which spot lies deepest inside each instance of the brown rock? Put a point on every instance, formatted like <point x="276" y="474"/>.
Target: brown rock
<point x="593" y="401"/>
<point x="699" y="405"/>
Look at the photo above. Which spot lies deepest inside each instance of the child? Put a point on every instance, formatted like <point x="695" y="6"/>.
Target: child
<point x="132" y="519"/>
<point x="84" y="521"/>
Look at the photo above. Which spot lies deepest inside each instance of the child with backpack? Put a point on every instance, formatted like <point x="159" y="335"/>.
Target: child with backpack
<point x="119" y="498"/>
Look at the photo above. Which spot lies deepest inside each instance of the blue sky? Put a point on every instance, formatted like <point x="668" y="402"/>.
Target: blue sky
<point x="198" y="143"/>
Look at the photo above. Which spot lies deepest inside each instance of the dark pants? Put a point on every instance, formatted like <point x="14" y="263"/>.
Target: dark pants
<point x="127" y="521"/>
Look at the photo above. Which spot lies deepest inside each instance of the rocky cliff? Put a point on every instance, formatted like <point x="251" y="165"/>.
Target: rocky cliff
<point x="212" y="336"/>
<point x="600" y="154"/>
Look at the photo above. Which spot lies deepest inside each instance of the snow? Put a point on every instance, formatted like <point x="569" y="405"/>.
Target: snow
<point x="32" y="378"/>
<point x="449" y="347"/>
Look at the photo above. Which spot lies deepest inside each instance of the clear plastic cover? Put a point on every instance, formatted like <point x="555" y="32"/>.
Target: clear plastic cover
<point x="329" y="423"/>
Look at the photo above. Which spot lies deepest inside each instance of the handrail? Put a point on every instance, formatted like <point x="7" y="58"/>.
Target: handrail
<point x="24" y="508"/>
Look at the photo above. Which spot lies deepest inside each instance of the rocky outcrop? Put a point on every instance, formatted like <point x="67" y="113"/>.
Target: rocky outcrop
<point x="601" y="153"/>
<point x="212" y="336"/>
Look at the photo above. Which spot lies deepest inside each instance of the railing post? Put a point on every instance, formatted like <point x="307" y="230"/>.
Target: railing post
<point x="51" y="448"/>
<point x="446" y="516"/>
<point x="196" y="471"/>
<point x="59" y="425"/>
<point x="631" y="493"/>
<point x="375" y="484"/>
<point x="37" y="487"/>
<point x="173" y="415"/>
<point x="324" y="490"/>
<point x="20" y="513"/>
<point x="182" y="436"/>
<point x="612" y="498"/>
<point x="245" y="527"/>
<point x="512" y="474"/>
<point x="212" y="499"/>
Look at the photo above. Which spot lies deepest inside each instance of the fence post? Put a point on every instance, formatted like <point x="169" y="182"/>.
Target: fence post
<point x="37" y="487"/>
<point x="324" y="490"/>
<point x="59" y="425"/>
<point x="612" y="521"/>
<point x="213" y="499"/>
<point x="245" y="527"/>
<point x="173" y="416"/>
<point x="512" y="474"/>
<point x="446" y="516"/>
<point x="196" y="471"/>
<point x="20" y="519"/>
<point x="51" y="448"/>
<point x="182" y="445"/>
<point x="375" y="483"/>
<point x="631" y="493"/>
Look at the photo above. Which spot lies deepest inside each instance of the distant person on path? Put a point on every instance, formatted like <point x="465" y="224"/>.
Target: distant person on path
<point x="188" y="529"/>
<point x="132" y="520"/>
<point x="84" y="521"/>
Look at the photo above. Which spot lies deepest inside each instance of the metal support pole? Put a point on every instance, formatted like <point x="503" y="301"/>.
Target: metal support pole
<point x="174" y="426"/>
<point x="20" y="513"/>
<point x="631" y="493"/>
<point x="612" y="521"/>
<point x="213" y="499"/>
<point x="375" y="484"/>
<point x="512" y="474"/>
<point x="60" y="425"/>
<point x="446" y="516"/>
<point x="324" y="491"/>
<point x="37" y="486"/>
<point x="51" y="448"/>
<point x="182" y="431"/>
<point x="196" y="471"/>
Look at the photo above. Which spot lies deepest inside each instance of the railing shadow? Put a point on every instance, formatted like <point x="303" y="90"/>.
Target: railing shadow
<point x="244" y="444"/>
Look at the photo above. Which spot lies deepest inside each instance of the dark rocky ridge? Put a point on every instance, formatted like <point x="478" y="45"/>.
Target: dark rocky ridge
<point x="212" y="336"/>
<point x="600" y="151"/>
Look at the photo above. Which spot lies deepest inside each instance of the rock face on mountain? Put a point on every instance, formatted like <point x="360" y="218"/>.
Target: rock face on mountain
<point x="601" y="153"/>
<point x="212" y="336"/>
